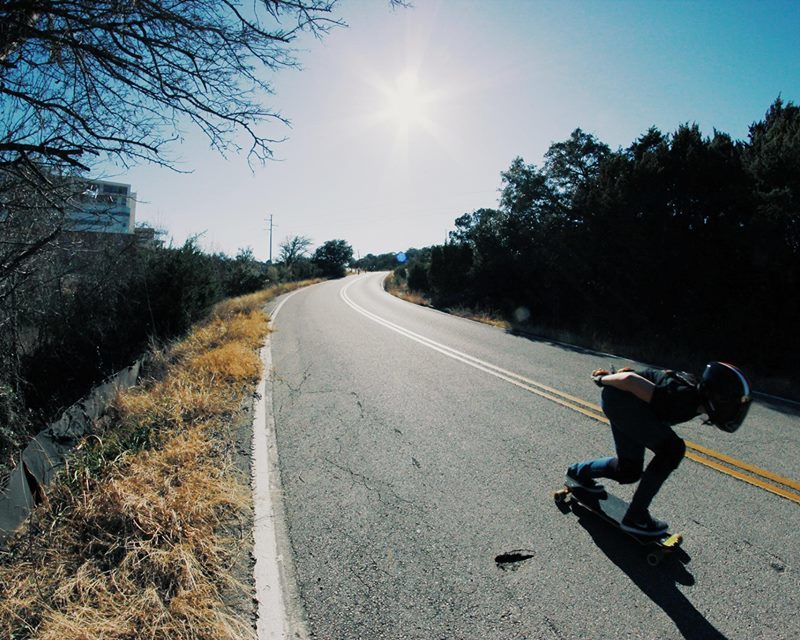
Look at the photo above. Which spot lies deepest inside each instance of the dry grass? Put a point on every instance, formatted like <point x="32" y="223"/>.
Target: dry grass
<point x="400" y="290"/>
<point x="138" y="539"/>
<point x="486" y="317"/>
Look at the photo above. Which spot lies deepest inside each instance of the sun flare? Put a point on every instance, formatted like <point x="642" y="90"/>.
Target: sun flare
<point x="408" y="107"/>
<point x="406" y="102"/>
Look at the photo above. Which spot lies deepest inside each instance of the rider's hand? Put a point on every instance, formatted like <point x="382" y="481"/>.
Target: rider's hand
<point x="597" y="376"/>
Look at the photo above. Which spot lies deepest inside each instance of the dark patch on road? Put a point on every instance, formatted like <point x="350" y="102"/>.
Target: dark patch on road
<point x="513" y="560"/>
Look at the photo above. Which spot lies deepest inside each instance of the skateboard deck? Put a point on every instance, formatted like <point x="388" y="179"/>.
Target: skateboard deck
<point x="612" y="509"/>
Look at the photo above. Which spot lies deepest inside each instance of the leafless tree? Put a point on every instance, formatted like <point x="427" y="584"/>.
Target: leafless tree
<point x="84" y="82"/>
<point x="294" y="248"/>
<point x="116" y="78"/>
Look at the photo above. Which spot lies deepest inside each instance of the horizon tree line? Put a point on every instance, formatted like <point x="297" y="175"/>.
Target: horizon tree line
<point x="680" y="244"/>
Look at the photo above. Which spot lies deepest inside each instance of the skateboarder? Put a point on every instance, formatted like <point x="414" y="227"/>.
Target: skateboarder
<point x="642" y="408"/>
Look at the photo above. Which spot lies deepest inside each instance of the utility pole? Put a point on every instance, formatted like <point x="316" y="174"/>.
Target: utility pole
<point x="270" y="238"/>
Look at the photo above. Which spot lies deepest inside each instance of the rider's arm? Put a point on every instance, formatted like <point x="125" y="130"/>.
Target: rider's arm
<point x="631" y="382"/>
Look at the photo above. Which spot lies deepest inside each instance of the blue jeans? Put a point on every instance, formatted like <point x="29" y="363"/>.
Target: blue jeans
<point x="635" y="428"/>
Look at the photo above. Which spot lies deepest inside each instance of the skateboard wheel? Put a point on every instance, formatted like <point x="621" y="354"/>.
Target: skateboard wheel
<point x="654" y="559"/>
<point x="673" y="541"/>
<point x="560" y="496"/>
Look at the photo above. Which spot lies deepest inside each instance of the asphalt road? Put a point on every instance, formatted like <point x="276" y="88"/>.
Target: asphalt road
<point x="416" y="448"/>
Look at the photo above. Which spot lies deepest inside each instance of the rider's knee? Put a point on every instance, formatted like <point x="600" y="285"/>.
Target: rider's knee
<point x="628" y="471"/>
<point x="670" y="454"/>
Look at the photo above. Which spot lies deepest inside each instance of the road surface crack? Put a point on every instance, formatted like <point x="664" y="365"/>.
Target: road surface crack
<point x="360" y="478"/>
<point x="358" y="403"/>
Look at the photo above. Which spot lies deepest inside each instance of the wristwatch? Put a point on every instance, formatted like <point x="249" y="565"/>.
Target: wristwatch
<point x="598" y="380"/>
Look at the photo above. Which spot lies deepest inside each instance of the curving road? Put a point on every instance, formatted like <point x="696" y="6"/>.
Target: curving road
<point x="416" y="449"/>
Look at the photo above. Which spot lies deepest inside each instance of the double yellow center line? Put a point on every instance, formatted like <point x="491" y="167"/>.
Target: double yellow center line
<point x="744" y="471"/>
<point x="751" y="474"/>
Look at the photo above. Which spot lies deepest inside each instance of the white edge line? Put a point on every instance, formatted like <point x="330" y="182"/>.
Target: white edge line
<point x="498" y="372"/>
<point x="271" y="585"/>
<point x="274" y="314"/>
<point x="603" y="354"/>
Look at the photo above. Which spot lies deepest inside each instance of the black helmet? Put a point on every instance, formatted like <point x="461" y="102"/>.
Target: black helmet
<point x="726" y="395"/>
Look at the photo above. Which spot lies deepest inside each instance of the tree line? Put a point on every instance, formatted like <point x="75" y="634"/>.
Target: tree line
<point x="680" y="245"/>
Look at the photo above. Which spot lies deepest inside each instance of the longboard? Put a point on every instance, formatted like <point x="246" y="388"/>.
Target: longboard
<point x="612" y="509"/>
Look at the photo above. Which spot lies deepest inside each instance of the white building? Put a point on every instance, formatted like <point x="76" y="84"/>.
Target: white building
<point x="104" y="207"/>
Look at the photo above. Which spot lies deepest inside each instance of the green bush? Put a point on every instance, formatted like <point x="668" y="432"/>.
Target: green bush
<point x="418" y="278"/>
<point x="332" y="258"/>
<point x="109" y="315"/>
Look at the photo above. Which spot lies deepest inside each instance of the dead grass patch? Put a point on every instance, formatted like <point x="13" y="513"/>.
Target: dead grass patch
<point x="485" y="317"/>
<point x="138" y="538"/>
<point x="233" y="360"/>
<point x="400" y="290"/>
<point x="137" y="553"/>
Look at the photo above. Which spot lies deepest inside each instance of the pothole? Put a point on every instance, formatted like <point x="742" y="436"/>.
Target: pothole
<point x="513" y="560"/>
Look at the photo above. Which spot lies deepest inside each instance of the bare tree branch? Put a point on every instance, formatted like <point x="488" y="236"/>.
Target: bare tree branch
<point x="88" y="81"/>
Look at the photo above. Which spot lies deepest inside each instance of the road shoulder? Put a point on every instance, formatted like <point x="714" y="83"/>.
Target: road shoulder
<point x="279" y="613"/>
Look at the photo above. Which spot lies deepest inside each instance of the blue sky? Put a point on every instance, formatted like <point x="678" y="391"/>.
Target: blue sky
<point x="404" y="120"/>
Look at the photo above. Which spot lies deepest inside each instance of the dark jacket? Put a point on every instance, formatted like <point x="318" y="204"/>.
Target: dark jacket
<point x="675" y="398"/>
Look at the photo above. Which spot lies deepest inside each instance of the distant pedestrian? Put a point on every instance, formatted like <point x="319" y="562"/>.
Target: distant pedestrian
<point x="642" y="407"/>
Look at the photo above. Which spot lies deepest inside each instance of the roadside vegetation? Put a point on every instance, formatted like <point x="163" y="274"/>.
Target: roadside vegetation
<point x="96" y="302"/>
<point x="73" y="307"/>
<point x="142" y="535"/>
<point x="397" y="284"/>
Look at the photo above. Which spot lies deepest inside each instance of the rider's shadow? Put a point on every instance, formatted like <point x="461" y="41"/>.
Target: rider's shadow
<point x="657" y="583"/>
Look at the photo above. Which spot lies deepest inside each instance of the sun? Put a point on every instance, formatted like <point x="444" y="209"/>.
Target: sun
<point x="407" y="109"/>
<point x="407" y="104"/>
